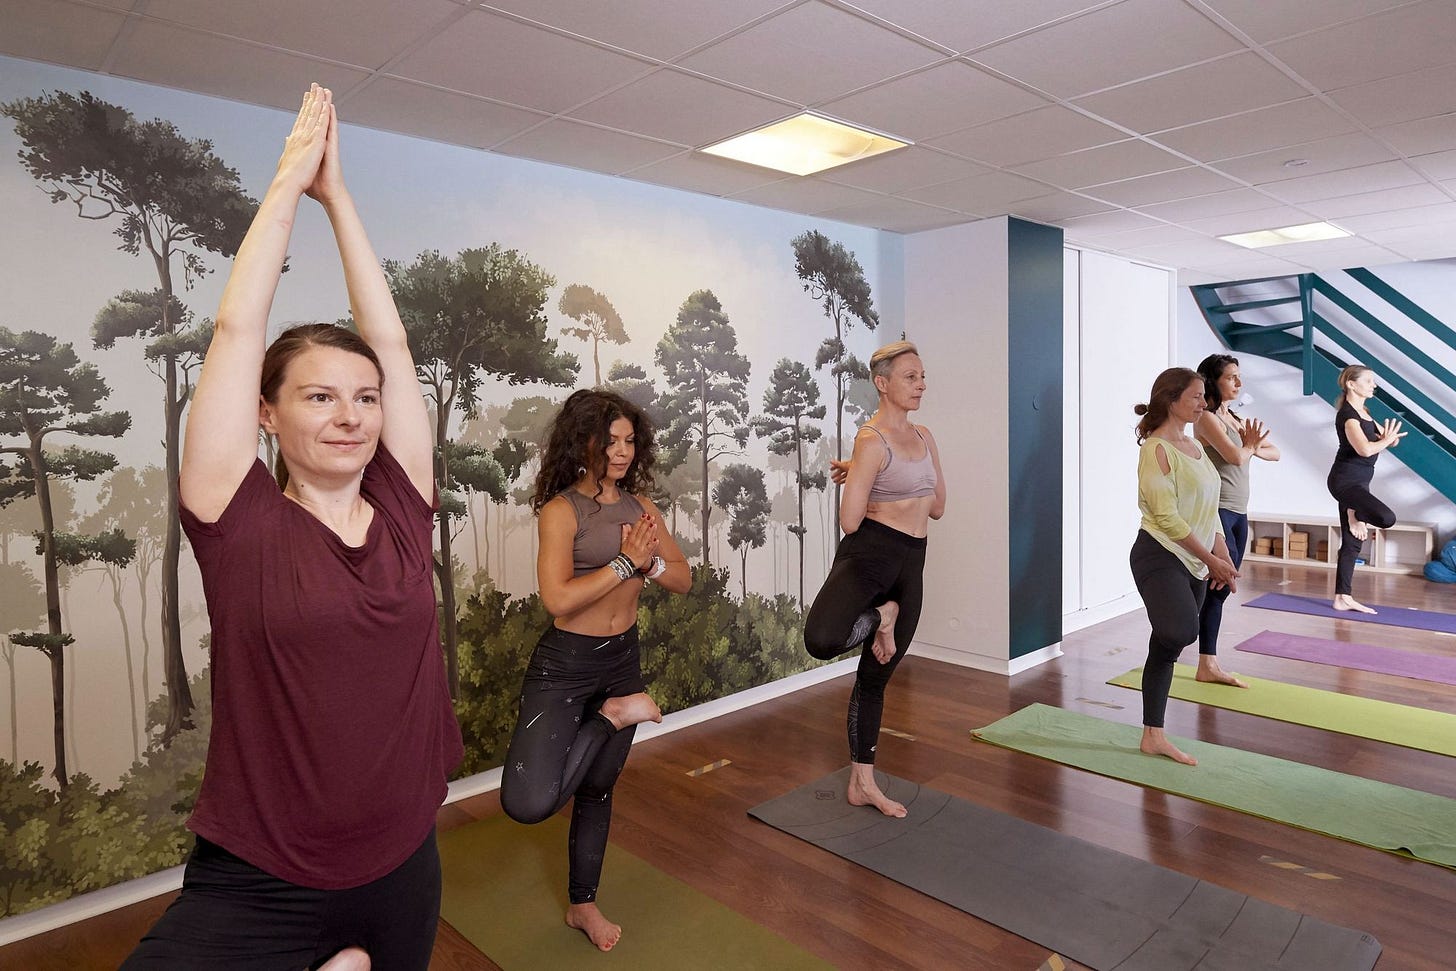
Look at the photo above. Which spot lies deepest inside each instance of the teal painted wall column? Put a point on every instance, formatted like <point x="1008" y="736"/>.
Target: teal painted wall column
<point x="1034" y="446"/>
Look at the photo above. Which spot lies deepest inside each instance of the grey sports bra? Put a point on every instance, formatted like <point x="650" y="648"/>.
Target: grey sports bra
<point x="599" y="529"/>
<point x="906" y="479"/>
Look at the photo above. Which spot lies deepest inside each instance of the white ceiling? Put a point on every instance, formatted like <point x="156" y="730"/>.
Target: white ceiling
<point x="1144" y="127"/>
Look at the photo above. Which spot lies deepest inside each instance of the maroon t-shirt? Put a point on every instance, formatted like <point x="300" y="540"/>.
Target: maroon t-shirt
<point x="332" y="730"/>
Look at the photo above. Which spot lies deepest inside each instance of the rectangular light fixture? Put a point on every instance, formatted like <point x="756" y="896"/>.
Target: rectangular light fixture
<point x="1289" y="234"/>
<point x="804" y="144"/>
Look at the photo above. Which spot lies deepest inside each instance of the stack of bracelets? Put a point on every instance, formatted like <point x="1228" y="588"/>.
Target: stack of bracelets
<point x="623" y="566"/>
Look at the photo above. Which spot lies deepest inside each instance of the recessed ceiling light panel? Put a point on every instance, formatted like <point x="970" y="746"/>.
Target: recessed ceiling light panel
<point x="1307" y="233"/>
<point x="805" y="144"/>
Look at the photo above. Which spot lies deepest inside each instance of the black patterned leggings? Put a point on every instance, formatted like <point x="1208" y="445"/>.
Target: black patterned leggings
<point x="564" y="746"/>
<point x="875" y="564"/>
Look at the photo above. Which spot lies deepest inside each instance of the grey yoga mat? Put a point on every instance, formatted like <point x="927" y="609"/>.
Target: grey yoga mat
<point x="1096" y="906"/>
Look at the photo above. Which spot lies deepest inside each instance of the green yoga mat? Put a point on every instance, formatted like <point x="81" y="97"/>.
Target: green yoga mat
<point x="1386" y="817"/>
<point x="505" y="891"/>
<point x="1383" y="721"/>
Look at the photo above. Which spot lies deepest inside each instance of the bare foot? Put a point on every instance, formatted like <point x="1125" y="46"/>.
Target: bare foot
<point x="1343" y="601"/>
<point x="1155" y="742"/>
<point x="1209" y="671"/>
<point x="628" y="710"/>
<point x="1360" y="530"/>
<point x="589" y="920"/>
<point x="884" y="646"/>
<point x="349" y="959"/>
<point x="864" y="791"/>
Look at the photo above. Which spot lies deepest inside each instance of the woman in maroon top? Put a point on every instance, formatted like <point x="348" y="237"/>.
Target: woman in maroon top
<point x="332" y="735"/>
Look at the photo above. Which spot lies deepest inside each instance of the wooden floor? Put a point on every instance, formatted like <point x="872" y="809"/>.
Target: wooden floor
<point x="697" y="829"/>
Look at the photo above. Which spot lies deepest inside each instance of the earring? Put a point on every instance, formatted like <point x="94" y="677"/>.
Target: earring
<point x="581" y="470"/>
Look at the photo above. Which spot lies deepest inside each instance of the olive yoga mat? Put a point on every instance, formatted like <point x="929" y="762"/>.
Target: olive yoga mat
<point x="505" y="891"/>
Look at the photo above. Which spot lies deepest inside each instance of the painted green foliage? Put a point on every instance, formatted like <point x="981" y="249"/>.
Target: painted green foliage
<point x="789" y="405"/>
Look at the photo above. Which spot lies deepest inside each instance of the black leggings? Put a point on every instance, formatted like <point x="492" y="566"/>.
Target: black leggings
<point x="875" y="564"/>
<point x="1235" y="537"/>
<point x="1350" y="485"/>
<point x="1173" y="597"/>
<point x="232" y="916"/>
<point x="564" y="746"/>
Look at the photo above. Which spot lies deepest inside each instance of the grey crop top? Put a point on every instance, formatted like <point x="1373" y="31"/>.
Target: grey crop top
<point x="599" y="529"/>
<point x="906" y="479"/>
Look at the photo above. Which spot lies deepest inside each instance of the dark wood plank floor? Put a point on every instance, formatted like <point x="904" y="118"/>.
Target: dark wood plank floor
<point x="696" y="828"/>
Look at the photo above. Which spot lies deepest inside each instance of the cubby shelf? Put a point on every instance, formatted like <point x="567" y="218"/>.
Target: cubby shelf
<point x="1403" y="548"/>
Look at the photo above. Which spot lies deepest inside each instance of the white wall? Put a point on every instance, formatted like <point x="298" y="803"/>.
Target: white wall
<point x="1125" y="328"/>
<point x="956" y="311"/>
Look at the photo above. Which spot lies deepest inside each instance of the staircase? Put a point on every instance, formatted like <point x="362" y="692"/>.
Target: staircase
<point x="1302" y="335"/>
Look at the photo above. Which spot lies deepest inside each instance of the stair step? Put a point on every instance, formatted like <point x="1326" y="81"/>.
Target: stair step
<point x="1233" y="308"/>
<point x="1244" y="327"/>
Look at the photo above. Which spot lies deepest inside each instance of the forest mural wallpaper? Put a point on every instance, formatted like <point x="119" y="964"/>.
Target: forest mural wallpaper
<point x="742" y="331"/>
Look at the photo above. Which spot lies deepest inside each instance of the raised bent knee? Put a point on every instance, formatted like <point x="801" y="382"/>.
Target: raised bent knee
<point x="525" y="805"/>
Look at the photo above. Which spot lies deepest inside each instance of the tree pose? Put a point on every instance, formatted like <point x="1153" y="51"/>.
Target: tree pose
<point x="601" y="540"/>
<point x="871" y="599"/>
<point x="1179" y="552"/>
<point x="1361" y="440"/>
<point x="332" y="733"/>
<point x="1231" y="443"/>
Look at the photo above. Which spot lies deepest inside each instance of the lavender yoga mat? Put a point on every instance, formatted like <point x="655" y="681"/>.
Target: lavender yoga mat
<point x="1362" y="657"/>
<point x="1390" y="616"/>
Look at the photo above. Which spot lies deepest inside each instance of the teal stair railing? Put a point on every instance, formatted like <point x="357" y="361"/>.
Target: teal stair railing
<point x="1320" y="348"/>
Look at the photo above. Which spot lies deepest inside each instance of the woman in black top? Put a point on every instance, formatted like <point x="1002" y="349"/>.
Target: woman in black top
<point x="1361" y="440"/>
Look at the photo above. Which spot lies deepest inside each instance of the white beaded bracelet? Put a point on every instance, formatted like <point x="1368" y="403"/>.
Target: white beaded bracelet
<point x="659" y="567"/>
<point x="623" y="566"/>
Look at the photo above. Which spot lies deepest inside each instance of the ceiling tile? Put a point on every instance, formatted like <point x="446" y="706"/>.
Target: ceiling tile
<point x="682" y="108"/>
<point x="63" y="33"/>
<point x="1057" y="59"/>
<point x="1256" y="131"/>
<point x="982" y="194"/>
<point x="227" y="68"/>
<point x="1154" y="236"/>
<point x="1422" y="136"/>
<point x="1324" y="155"/>
<point x="584" y="147"/>
<point x="1365" y="178"/>
<point x="1418" y="94"/>
<point x="706" y="173"/>
<point x="660" y="30"/>
<point x="1425" y="251"/>
<point x="1200" y="251"/>
<point x="1106" y="223"/>
<point x="1222" y="87"/>
<point x="1265" y="21"/>
<point x="1252" y="266"/>
<point x="895" y="215"/>
<point x="807" y="195"/>
<point x="372" y="32"/>
<point x="1163" y="187"/>
<point x="1093" y="166"/>
<point x="1035" y="135"/>
<point x="1214" y="204"/>
<point x="490" y="55"/>
<point x="944" y="98"/>
<point x="811" y="54"/>
<point x="1434" y="233"/>
<point x="905" y="168"/>
<point x="414" y="109"/>
<point x="1417" y="36"/>
<point x="1057" y="206"/>
<point x="948" y="24"/>
<point x="1441" y="212"/>
<point x="1366" y="202"/>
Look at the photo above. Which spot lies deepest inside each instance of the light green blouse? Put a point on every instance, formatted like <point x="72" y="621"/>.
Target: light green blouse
<point x="1180" y="503"/>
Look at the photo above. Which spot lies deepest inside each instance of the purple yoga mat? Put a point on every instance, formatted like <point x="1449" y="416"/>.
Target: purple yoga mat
<point x="1390" y="616"/>
<point x="1362" y="657"/>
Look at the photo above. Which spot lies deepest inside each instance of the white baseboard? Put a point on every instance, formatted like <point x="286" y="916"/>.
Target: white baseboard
<point x="982" y="662"/>
<point x="91" y="904"/>
<point x="1086" y="617"/>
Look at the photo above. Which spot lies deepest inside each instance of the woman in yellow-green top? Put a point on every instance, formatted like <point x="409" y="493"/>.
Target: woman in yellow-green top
<point x="1180" y="550"/>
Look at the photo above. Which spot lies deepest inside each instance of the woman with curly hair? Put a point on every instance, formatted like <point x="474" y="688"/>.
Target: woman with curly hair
<point x="601" y="540"/>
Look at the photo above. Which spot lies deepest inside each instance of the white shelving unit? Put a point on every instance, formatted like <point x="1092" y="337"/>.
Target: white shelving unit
<point x="1403" y="548"/>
